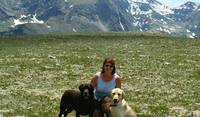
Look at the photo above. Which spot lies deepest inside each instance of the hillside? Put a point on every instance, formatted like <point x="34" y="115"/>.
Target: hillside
<point x="160" y="74"/>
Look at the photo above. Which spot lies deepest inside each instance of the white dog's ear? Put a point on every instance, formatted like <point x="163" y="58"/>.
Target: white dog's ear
<point x="123" y="94"/>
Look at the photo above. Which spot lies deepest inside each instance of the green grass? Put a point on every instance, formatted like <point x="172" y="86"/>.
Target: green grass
<point x="160" y="74"/>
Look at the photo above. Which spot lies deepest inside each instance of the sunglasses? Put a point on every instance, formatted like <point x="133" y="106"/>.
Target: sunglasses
<point x="109" y="66"/>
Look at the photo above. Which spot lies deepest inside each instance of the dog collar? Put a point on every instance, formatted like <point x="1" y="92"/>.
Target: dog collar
<point x="111" y="105"/>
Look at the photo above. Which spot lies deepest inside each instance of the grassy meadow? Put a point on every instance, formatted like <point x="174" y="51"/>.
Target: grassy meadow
<point x="160" y="74"/>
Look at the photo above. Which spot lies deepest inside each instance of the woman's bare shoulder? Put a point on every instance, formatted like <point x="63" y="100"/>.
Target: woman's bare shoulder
<point x="94" y="78"/>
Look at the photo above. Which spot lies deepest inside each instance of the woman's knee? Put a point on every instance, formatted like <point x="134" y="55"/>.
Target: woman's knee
<point x="106" y="105"/>
<point x="107" y="99"/>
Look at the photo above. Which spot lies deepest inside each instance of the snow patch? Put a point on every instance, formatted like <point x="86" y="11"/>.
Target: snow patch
<point x="165" y="29"/>
<point x="26" y="19"/>
<point x="188" y="30"/>
<point x="48" y="26"/>
<point x="156" y="6"/>
<point x="137" y="23"/>
<point x="192" y="35"/>
<point x="74" y="30"/>
<point x="135" y="10"/>
<point x="142" y="1"/>
<point x="162" y="9"/>
<point x="121" y="24"/>
<point x="71" y="6"/>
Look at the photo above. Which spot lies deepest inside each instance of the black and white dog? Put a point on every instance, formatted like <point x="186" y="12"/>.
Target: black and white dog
<point x="82" y="101"/>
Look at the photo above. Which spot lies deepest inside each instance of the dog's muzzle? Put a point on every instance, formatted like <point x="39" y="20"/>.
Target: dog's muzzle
<point x="86" y="94"/>
<point x="115" y="101"/>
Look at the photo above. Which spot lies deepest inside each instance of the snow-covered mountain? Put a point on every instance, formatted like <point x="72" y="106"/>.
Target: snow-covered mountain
<point x="148" y="6"/>
<point x="186" y="15"/>
<point x="43" y="16"/>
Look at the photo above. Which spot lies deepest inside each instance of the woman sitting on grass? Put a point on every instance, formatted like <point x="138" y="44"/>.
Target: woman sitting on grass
<point x="104" y="82"/>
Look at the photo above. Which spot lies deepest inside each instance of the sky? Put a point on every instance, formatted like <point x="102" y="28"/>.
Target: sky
<point x="174" y="3"/>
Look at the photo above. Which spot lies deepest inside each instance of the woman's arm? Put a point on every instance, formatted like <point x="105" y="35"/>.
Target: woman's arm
<point x="93" y="81"/>
<point x="118" y="83"/>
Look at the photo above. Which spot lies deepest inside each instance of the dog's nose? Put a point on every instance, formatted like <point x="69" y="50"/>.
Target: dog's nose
<point x="115" y="100"/>
<point x="85" y="93"/>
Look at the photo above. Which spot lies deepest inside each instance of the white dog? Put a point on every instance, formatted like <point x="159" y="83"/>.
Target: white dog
<point x="120" y="107"/>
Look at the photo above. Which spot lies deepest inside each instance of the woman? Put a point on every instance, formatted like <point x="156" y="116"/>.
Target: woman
<point x="104" y="82"/>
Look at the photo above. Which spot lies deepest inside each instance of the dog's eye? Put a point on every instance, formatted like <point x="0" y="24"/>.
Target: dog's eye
<point x="113" y="93"/>
<point x="119" y="94"/>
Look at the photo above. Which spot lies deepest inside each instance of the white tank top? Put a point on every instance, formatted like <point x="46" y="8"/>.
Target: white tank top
<point x="103" y="88"/>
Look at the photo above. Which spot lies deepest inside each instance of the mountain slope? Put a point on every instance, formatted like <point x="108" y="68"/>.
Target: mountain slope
<point x="44" y="16"/>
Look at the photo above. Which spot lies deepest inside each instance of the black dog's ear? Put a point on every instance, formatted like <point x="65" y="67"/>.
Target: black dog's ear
<point x="81" y="87"/>
<point x="91" y="87"/>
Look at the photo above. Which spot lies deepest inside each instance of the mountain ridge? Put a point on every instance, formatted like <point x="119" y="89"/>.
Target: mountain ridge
<point x="42" y="16"/>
